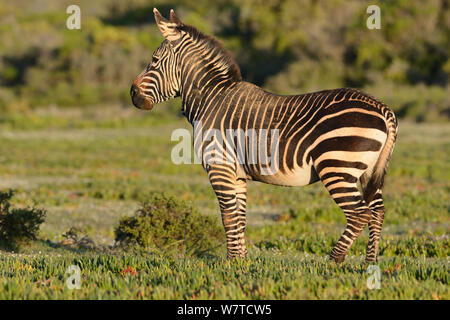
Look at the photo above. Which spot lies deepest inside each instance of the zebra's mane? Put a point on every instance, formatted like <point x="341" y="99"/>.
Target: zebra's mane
<point x="212" y="43"/>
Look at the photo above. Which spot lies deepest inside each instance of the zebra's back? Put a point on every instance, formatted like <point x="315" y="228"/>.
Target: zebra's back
<point x="313" y="130"/>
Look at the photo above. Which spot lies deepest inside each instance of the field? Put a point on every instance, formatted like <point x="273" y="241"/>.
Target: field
<point x="89" y="167"/>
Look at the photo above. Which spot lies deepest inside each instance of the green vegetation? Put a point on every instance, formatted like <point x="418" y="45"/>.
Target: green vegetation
<point x="166" y="224"/>
<point x="286" y="46"/>
<point x="90" y="176"/>
<point x="18" y="225"/>
<point x="265" y="276"/>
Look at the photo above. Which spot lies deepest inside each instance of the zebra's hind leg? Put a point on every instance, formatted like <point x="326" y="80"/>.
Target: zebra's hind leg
<point x="231" y="193"/>
<point x="344" y="191"/>
<point x="375" y="225"/>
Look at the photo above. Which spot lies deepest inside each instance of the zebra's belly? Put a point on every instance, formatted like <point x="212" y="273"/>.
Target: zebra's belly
<point x="295" y="178"/>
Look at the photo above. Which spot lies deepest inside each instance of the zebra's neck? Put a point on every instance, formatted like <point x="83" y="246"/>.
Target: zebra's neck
<point x="195" y="97"/>
<point x="206" y="68"/>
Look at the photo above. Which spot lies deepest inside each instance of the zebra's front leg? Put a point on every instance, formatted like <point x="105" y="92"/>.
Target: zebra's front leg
<point x="241" y="198"/>
<point x="231" y="193"/>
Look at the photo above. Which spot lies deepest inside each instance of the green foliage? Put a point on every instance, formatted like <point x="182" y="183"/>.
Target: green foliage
<point x="165" y="223"/>
<point x="264" y="276"/>
<point x="18" y="225"/>
<point x="91" y="166"/>
<point x="324" y="45"/>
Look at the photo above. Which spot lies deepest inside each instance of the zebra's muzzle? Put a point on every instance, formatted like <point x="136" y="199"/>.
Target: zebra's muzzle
<point x="139" y="100"/>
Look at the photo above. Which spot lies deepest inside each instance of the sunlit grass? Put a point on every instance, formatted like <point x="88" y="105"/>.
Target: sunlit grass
<point x="88" y="176"/>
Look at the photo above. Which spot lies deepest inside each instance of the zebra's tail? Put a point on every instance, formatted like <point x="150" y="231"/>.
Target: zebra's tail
<point x="376" y="180"/>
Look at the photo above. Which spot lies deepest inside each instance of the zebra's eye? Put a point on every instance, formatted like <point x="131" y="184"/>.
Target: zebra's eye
<point x="155" y="59"/>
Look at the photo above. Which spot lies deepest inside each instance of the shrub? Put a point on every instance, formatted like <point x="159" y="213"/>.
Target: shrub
<point x="73" y="238"/>
<point x="165" y="223"/>
<point x="18" y="225"/>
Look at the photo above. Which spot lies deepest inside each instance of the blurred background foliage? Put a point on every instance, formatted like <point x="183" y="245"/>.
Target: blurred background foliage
<point x="285" y="46"/>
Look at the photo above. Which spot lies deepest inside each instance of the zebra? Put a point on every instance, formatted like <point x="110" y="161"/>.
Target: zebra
<point x="342" y="137"/>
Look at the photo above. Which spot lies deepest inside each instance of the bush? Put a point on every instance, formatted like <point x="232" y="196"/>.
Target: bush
<point x="18" y="225"/>
<point x="165" y="223"/>
<point x="283" y="49"/>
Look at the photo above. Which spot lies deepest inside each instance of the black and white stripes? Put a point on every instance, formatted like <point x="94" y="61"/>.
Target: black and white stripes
<point x="340" y="136"/>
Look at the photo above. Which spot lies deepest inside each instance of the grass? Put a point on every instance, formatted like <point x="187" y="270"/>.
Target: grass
<point x="265" y="276"/>
<point x="96" y="170"/>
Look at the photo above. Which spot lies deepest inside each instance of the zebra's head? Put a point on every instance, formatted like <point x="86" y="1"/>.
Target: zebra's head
<point x="160" y="80"/>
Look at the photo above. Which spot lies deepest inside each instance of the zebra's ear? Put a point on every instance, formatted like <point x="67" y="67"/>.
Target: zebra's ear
<point x="168" y="28"/>
<point x="174" y="18"/>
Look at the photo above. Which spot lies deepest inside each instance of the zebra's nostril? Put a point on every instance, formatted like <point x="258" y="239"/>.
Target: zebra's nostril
<point x="133" y="90"/>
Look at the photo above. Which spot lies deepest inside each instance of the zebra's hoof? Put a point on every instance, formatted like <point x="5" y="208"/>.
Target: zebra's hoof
<point x="236" y="256"/>
<point x="371" y="260"/>
<point x="337" y="259"/>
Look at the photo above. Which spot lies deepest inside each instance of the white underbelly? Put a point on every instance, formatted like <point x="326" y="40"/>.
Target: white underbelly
<point x="295" y="178"/>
